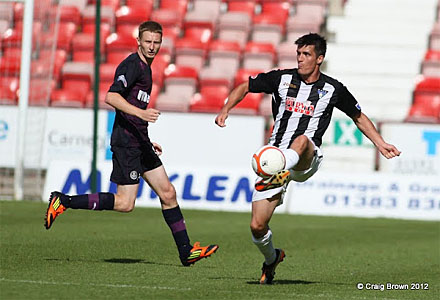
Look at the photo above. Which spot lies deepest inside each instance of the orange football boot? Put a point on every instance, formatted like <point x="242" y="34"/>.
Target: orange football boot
<point x="54" y="209"/>
<point x="197" y="253"/>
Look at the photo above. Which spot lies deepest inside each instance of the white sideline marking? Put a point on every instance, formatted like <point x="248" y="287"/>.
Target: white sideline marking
<point x="97" y="284"/>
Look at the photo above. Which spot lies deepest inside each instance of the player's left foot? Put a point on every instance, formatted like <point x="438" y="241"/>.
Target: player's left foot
<point x="54" y="209"/>
<point x="197" y="253"/>
<point x="268" y="271"/>
<point x="275" y="181"/>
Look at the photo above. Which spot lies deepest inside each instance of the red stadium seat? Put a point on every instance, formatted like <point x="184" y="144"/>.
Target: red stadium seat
<point x="246" y="6"/>
<point x="268" y="27"/>
<point x="83" y="47"/>
<point x="89" y="102"/>
<point x="12" y="37"/>
<point x="420" y="113"/>
<point x="258" y="55"/>
<point x="77" y="75"/>
<point x="428" y="99"/>
<point x="243" y="75"/>
<point x="204" y="35"/>
<point x="66" y="31"/>
<point x="128" y="18"/>
<point x="249" y="105"/>
<point x="429" y="85"/>
<point x="118" y="47"/>
<point x="114" y="4"/>
<point x="67" y="98"/>
<point x="8" y="89"/>
<point x="434" y="37"/>
<point x="210" y="99"/>
<point x="180" y="85"/>
<point x="67" y="13"/>
<point x="59" y="58"/>
<point x="298" y="25"/>
<point x="10" y="65"/>
<point x="190" y="52"/>
<point x="89" y="17"/>
<point x="225" y="55"/>
<point x="234" y="26"/>
<point x="277" y="8"/>
<point x="40" y="90"/>
<point x="286" y="55"/>
<point x="179" y="5"/>
<point x="169" y="19"/>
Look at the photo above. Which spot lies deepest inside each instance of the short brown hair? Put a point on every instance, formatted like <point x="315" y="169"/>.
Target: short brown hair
<point x="150" y="26"/>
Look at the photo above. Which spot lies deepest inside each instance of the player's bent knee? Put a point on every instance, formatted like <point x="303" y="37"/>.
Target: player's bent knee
<point x="258" y="229"/>
<point x="168" y="195"/>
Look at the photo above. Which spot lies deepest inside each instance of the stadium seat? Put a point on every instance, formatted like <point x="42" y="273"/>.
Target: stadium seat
<point x="8" y="89"/>
<point x="210" y="8"/>
<point x="7" y="12"/>
<point x="10" y="65"/>
<point x="81" y="4"/>
<point x="246" y="6"/>
<point x="243" y="75"/>
<point x="67" y="98"/>
<point x="434" y="37"/>
<point x="89" y="101"/>
<point x="64" y="37"/>
<point x="67" y="13"/>
<point x="420" y="113"/>
<point x="286" y="55"/>
<point x="13" y="36"/>
<point x="250" y="104"/>
<point x="430" y="100"/>
<point x="180" y="85"/>
<point x="258" y="55"/>
<point x="114" y="4"/>
<point x="269" y="28"/>
<point x="169" y="19"/>
<point x="190" y="52"/>
<point x="128" y="18"/>
<point x="118" y="47"/>
<point x="311" y="9"/>
<point x="40" y="90"/>
<point x="77" y="75"/>
<point x="179" y="5"/>
<point x="155" y="91"/>
<point x="203" y="32"/>
<point x="265" y="107"/>
<point x="281" y="8"/>
<point x="298" y="25"/>
<point x="209" y="100"/>
<point x="428" y="85"/>
<point x="431" y="64"/>
<point x="89" y="17"/>
<point x="225" y="56"/>
<point x="234" y="26"/>
<point x="58" y="57"/>
<point x="83" y="47"/>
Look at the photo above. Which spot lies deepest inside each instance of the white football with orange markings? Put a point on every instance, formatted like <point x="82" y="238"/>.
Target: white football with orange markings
<point x="267" y="161"/>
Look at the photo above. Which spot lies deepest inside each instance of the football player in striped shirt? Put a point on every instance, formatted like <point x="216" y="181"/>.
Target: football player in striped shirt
<point x="302" y="103"/>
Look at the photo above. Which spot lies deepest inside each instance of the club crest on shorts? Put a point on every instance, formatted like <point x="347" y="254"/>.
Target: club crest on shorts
<point x="134" y="175"/>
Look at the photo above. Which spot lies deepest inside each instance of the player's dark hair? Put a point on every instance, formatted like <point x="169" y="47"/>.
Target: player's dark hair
<point x="150" y="26"/>
<point x="313" y="39"/>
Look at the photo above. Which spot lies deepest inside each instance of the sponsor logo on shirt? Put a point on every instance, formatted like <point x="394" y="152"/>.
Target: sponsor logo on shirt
<point x="305" y="108"/>
<point x="122" y="78"/>
<point x="358" y="106"/>
<point x="143" y="96"/>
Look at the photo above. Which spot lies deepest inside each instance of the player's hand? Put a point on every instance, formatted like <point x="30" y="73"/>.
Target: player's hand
<point x="220" y="120"/>
<point x="388" y="150"/>
<point x="157" y="148"/>
<point x="150" y="115"/>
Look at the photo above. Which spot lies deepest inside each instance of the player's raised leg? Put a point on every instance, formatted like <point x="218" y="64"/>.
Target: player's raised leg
<point x="160" y="183"/>
<point x="262" y="211"/>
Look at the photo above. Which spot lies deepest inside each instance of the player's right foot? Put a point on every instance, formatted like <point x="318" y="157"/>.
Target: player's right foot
<point x="54" y="209"/>
<point x="275" y="181"/>
<point x="197" y="253"/>
<point x="268" y="271"/>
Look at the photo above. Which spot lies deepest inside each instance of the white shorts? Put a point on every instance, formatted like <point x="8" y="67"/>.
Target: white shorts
<point x="298" y="176"/>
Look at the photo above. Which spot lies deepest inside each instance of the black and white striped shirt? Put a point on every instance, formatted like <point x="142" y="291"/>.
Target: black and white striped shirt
<point x="299" y="108"/>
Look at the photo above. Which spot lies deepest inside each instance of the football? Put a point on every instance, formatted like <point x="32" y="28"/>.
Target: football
<point x="267" y="161"/>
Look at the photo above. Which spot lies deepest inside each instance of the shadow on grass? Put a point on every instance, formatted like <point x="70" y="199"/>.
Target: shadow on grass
<point x="113" y="261"/>
<point x="284" y="281"/>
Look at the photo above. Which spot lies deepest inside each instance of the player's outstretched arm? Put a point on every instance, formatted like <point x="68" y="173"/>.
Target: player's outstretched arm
<point x="118" y="102"/>
<point x="234" y="98"/>
<point x="367" y="127"/>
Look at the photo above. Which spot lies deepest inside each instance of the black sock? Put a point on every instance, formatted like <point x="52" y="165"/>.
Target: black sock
<point x="96" y="201"/>
<point x="176" y="222"/>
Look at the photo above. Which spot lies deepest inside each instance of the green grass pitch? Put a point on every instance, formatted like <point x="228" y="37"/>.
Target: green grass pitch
<point x="109" y="255"/>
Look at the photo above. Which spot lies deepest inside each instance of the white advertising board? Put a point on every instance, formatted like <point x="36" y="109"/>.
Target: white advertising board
<point x="367" y="195"/>
<point x="230" y="189"/>
<point x="8" y="135"/>
<point x="420" y="146"/>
